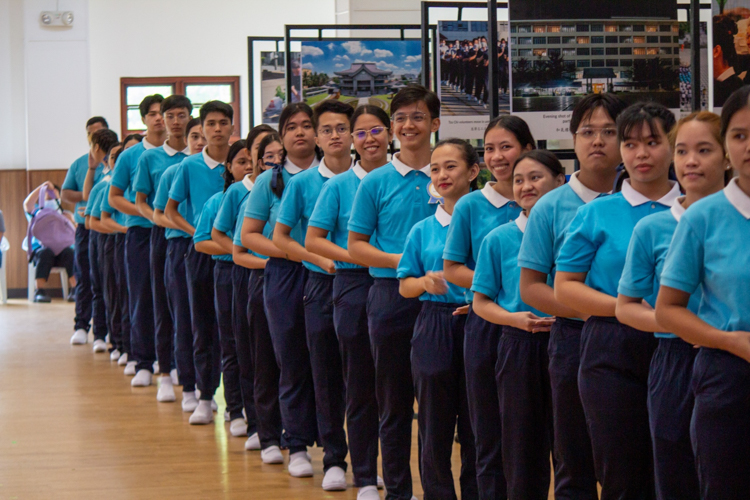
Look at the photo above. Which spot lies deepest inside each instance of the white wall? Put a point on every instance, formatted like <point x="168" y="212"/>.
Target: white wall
<point x="12" y="87"/>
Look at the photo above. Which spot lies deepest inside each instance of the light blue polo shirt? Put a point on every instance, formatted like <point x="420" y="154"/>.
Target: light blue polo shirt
<point x="75" y="178"/>
<point x="299" y="200"/>
<point x="237" y="237"/>
<point x="152" y="165"/>
<point x="389" y="201"/>
<point x="94" y="208"/>
<point x="124" y="178"/>
<point x="206" y="223"/>
<point x="116" y="215"/>
<point x="198" y="178"/>
<point x="475" y="215"/>
<point x="229" y="210"/>
<point x="423" y="252"/>
<point x="710" y="248"/>
<point x="334" y="206"/>
<point x="598" y="237"/>
<point x="497" y="274"/>
<point x="162" y="196"/>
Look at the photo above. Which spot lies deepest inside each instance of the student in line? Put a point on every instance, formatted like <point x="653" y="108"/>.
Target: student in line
<point x="438" y="340"/>
<point x="388" y="203"/>
<point x="478" y="213"/>
<point x="176" y="111"/>
<point x="709" y="254"/>
<point x="138" y="242"/>
<point x="198" y="178"/>
<point x="371" y="135"/>
<point x="265" y="369"/>
<point x="615" y="358"/>
<point x="72" y="192"/>
<point x="701" y="169"/>
<point x="333" y="137"/>
<point x="175" y="278"/>
<point x="594" y="132"/>
<point x="222" y="233"/>
<point x="283" y="285"/>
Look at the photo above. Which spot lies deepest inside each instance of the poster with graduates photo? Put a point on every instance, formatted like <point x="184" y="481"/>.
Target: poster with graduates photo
<point x="630" y="48"/>
<point x="273" y="84"/>
<point x="731" y="55"/>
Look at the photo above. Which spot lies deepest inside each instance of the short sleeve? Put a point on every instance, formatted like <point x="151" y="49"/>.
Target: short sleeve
<point x="143" y="183"/>
<point x="121" y="175"/>
<point x="292" y="203"/>
<point x="488" y="273"/>
<point x="579" y="248"/>
<point x="364" y="217"/>
<point x="162" y="192"/>
<point x="180" y="185"/>
<point x="205" y="222"/>
<point x="237" y="239"/>
<point x="227" y="214"/>
<point x="458" y="241"/>
<point x="70" y="181"/>
<point x="411" y="265"/>
<point x="106" y="207"/>
<point x="537" y="246"/>
<point x="638" y="275"/>
<point x="259" y="204"/>
<point x="326" y="209"/>
<point x="683" y="267"/>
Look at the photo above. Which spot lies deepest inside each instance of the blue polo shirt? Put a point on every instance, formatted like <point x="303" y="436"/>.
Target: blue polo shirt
<point x="710" y="248"/>
<point x="198" y="178"/>
<point x="299" y="200"/>
<point x="497" y="274"/>
<point x="423" y="252"/>
<point x="206" y="223"/>
<point x="237" y="238"/>
<point x="152" y="165"/>
<point x="389" y="201"/>
<point x="334" y="206"/>
<point x="474" y="217"/>
<point x="124" y="178"/>
<point x="598" y="237"/>
<point x="162" y="196"/>
<point x="75" y="178"/>
<point x="229" y="210"/>
<point x="116" y="215"/>
<point x="94" y="208"/>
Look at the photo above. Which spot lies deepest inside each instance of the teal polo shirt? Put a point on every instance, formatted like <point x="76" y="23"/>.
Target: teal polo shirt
<point x="94" y="208"/>
<point x="162" y="196"/>
<point x="198" y="178"/>
<point x="206" y="223"/>
<point x="151" y="167"/>
<point x="75" y="179"/>
<point x="124" y="178"/>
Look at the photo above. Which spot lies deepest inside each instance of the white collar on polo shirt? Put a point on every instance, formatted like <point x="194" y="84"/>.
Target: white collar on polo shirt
<point x="294" y="169"/>
<point x="585" y="194"/>
<point x="521" y="222"/>
<point x="327" y="172"/>
<point x="405" y="169"/>
<point x="359" y="171"/>
<point x="496" y="199"/>
<point x="172" y="151"/>
<point x="147" y="145"/>
<point x="443" y="217"/>
<point x="738" y="198"/>
<point x="248" y="182"/>
<point x="212" y="164"/>
<point x="677" y="208"/>
<point x="636" y="199"/>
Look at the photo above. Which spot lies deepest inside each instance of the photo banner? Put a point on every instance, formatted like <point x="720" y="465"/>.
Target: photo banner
<point x="358" y="72"/>
<point x="686" y="50"/>
<point x="731" y="55"/>
<point x="629" y="48"/>
<point x="273" y="84"/>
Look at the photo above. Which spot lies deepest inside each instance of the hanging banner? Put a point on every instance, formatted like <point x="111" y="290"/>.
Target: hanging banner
<point x="630" y="48"/>
<point x="731" y="56"/>
<point x="273" y="84"/>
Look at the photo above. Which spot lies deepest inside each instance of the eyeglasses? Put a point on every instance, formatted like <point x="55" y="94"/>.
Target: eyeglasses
<point x="341" y="130"/>
<point x="272" y="157"/>
<point x="589" y="134"/>
<point x="416" y="117"/>
<point x="360" y="135"/>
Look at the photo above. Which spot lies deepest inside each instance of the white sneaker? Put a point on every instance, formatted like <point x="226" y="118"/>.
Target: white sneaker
<point x="202" y="414"/>
<point x="335" y="479"/>
<point x="123" y="359"/>
<point x="368" y="493"/>
<point x="271" y="455"/>
<point x="189" y="402"/>
<point x="100" y="345"/>
<point x="79" y="337"/>
<point x="299" y="465"/>
<point x="130" y="368"/>
<point x="253" y="443"/>
<point x="381" y="483"/>
<point x="238" y="427"/>
<point x="165" y="394"/>
<point x="114" y="355"/>
<point x="175" y="377"/>
<point x="141" y="379"/>
<point x="155" y="366"/>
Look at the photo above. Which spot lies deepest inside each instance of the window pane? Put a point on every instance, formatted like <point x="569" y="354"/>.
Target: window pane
<point x="201" y="94"/>
<point x="134" y="119"/>
<point x="134" y="94"/>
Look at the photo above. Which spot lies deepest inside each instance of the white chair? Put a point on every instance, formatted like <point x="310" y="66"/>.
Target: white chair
<point x="32" y="277"/>
<point x="4" y="247"/>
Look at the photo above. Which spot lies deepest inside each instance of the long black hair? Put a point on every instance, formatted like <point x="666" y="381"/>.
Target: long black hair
<point x="272" y="137"/>
<point x="234" y="149"/>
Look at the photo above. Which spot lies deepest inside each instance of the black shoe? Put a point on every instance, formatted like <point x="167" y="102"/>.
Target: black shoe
<point x="72" y="295"/>
<point x="42" y="297"/>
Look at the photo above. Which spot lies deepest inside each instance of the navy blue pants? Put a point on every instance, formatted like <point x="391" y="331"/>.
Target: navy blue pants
<point x="613" y="382"/>
<point x="266" y="371"/>
<point x="123" y="296"/>
<point x="437" y="364"/>
<point x="83" y="279"/>
<point x="390" y="319"/>
<point x="163" y="327"/>
<point x="525" y="397"/>
<point x="283" y="295"/>
<point x="670" y="408"/>
<point x="720" y="428"/>
<point x="480" y="356"/>
<point x="325" y="362"/>
<point x="230" y="369"/>
<point x="111" y="290"/>
<point x="350" y="289"/>
<point x="241" y="330"/>
<point x="199" y="268"/>
<point x="98" y="307"/>
<point x="178" y="299"/>
<point x="575" y="478"/>
<point x="137" y="264"/>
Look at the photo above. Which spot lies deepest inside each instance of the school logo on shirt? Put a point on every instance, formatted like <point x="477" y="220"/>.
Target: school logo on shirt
<point x="435" y="197"/>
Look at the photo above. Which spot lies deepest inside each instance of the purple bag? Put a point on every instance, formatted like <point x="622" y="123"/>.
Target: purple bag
<point x="50" y="227"/>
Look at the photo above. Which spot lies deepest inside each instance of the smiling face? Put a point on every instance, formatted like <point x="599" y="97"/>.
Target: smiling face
<point x="333" y="134"/>
<point x="176" y="120"/>
<point x="413" y="126"/>
<point x="450" y="174"/>
<point x="217" y="128"/>
<point x="595" y="142"/>
<point x="646" y="153"/>
<point x="154" y="121"/>
<point x="373" y="145"/>
<point x="196" y="140"/>
<point x="299" y="136"/>
<point x="240" y="165"/>
<point x="738" y="144"/>
<point x="501" y="150"/>
<point x="531" y="181"/>
<point x="699" y="159"/>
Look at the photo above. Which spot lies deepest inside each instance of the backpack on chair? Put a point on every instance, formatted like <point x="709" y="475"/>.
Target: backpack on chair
<point x="49" y="226"/>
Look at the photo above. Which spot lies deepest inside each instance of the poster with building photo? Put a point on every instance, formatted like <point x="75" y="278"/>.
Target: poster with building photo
<point x="359" y="71"/>
<point x="273" y="84"/>
<point x="731" y="55"/>
<point x="630" y="48"/>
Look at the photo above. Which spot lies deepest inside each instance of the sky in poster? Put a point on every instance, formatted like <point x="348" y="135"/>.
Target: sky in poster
<point x="398" y="56"/>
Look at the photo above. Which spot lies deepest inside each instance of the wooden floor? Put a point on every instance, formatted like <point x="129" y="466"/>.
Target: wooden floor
<point x="72" y="427"/>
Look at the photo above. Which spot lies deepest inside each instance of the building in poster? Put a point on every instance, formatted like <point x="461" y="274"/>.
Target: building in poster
<point x="364" y="80"/>
<point x="731" y="55"/>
